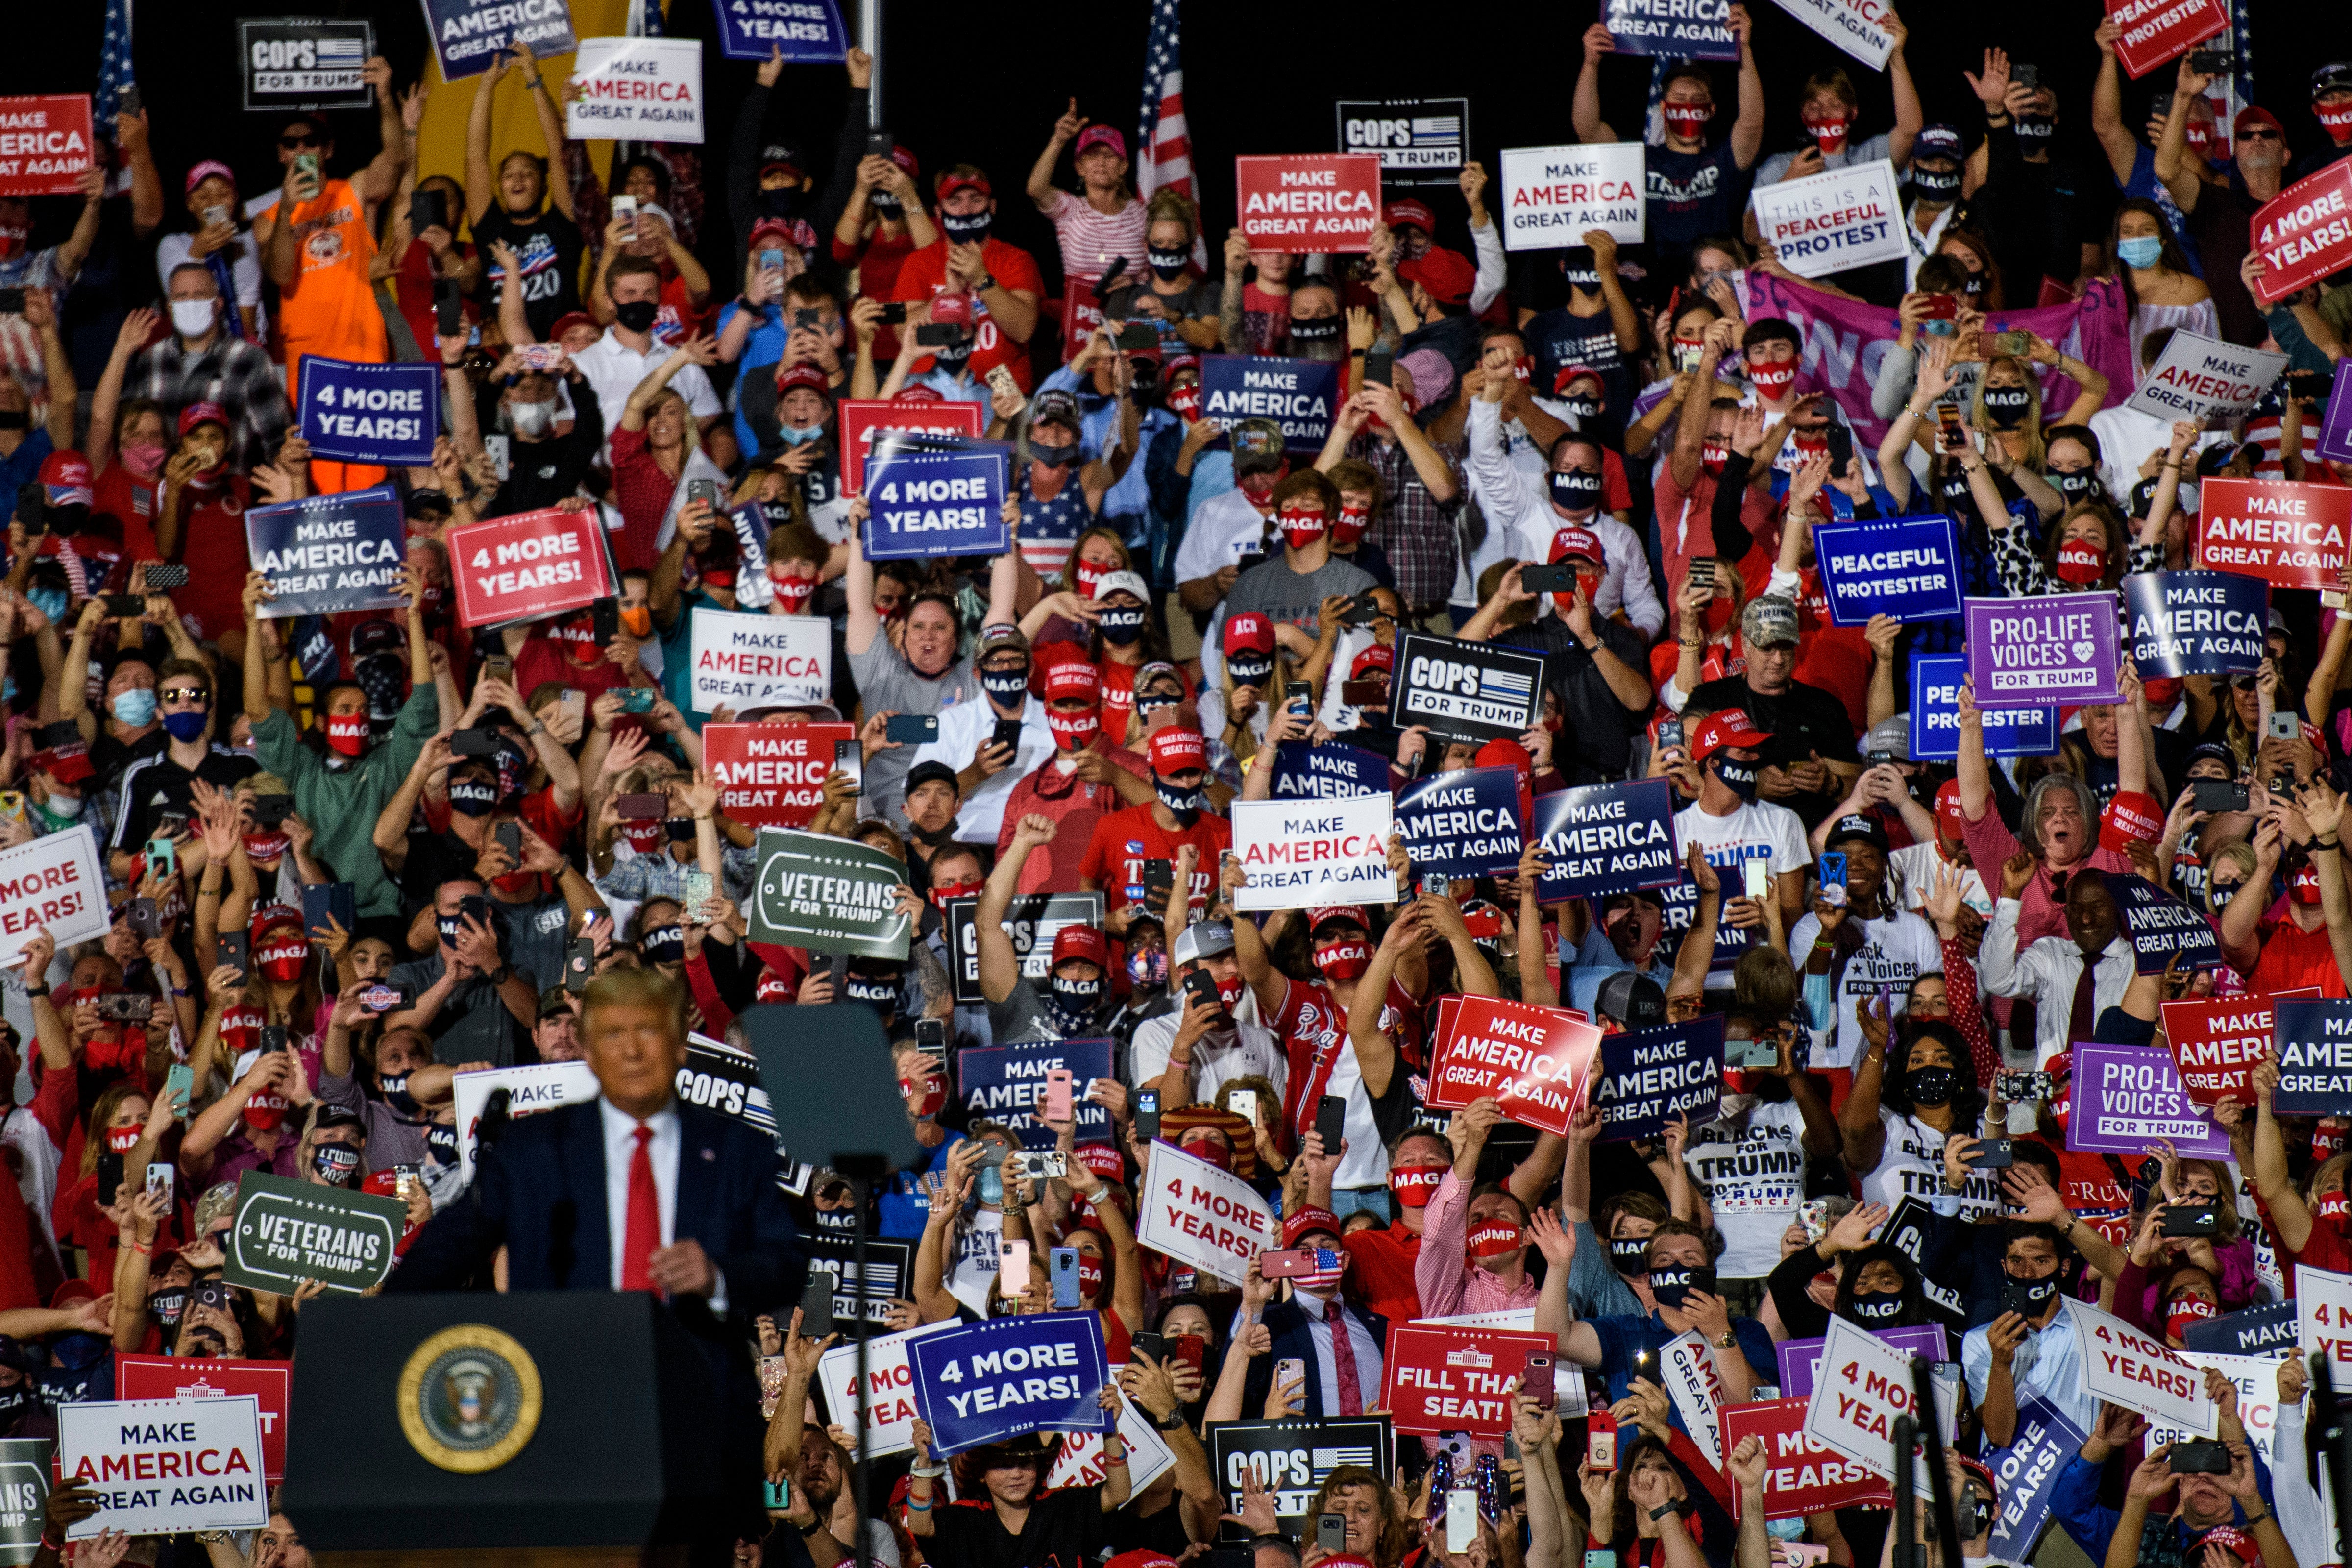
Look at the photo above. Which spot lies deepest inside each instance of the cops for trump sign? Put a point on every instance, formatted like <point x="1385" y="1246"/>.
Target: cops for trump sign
<point x="1553" y="196"/>
<point x="1418" y="141"/>
<point x="1303" y="853"/>
<point x="1465" y="691"/>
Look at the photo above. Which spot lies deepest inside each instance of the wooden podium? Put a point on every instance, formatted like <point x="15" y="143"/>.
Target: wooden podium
<point x="581" y="1428"/>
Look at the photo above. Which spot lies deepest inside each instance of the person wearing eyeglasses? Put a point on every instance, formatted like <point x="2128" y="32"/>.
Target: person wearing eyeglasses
<point x="2217" y="213"/>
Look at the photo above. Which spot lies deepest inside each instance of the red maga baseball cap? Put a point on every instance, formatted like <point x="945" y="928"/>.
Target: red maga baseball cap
<point x="951" y="183"/>
<point x="1082" y="942"/>
<point x="1318" y="917"/>
<point x="2132" y="818"/>
<point x="1577" y="543"/>
<point x="1306" y="1222"/>
<point x="1248" y="632"/>
<point x="1948" y="807"/>
<point x="1072" y="677"/>
<point x="65" y="475"/>
<point x="803" y="373"/>
<point x="1448" y="275"/>
<point x="1417" y="214"/>
<point x="1373" y="658"/>
<point x="1175" y="750"/>
<point x="1731" y="727"/>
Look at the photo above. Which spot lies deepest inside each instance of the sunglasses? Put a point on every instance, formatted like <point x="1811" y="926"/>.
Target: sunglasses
<point x="2258" y="134"/>
<point x="194" y="694"/>
<point x="294" y="143"/>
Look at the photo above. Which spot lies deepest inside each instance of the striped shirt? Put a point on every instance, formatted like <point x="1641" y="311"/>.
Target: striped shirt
<point x="1089" y="239"/>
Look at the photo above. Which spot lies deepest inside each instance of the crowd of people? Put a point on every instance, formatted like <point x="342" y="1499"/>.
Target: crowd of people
<point x="1190" y="609"/>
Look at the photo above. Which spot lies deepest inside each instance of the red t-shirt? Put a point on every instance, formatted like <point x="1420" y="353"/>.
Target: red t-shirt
<point x="1836" y="659"/>
<point x="546" y="655"/>
<point x="2294" y="957"/>
<point x="1685" y="531"/>
<point x="924" y="274"/>
<point x="1076" y="807"/>
<point x="130" y="501"/>
<point x="877" y="262"/>
<point x="215" y="554"/>
<point x="1125" y="840"/>
<point x="1384" y="1260"/>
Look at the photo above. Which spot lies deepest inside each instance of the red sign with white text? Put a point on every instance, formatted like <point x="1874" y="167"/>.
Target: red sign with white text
<point x="1309" y="201"/>
<point x="2306" y="234"/>
<point x="1081" y="313"/>
<point x="2217" y="1044"/>
<point x="532" y="566"/>
<point x="173" y="1377"/>
<point x="1454" y="1379"/>
<point x="1800" y="1476"/>
<point x="2154" y="31"/>
<point x="772" y="775"/>
<point x="45" y="144"/>
<point x="1537" y="1062"/>
<point x="2289" y="535"/>
<point x="862" y="417"/>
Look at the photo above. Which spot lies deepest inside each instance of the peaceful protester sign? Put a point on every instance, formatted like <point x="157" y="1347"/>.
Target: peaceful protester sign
<point x="286" y="1232"/>
<point x="2061" y="647"/>
<point x="1907" y="568"/>
<point x="827" y="895"/>
<point x="1936" y="716"/>
<point x="326" y="555"/>
<point x="2314" y="1036"/>
<point x="2196" y="622"/>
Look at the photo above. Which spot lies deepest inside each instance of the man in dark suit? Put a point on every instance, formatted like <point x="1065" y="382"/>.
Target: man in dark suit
<point x="1338" y="1342"/>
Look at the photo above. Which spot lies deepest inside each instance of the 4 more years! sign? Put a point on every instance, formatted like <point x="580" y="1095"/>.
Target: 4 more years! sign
<point x="51" y="882"/>
<point x="2289" y="535"/>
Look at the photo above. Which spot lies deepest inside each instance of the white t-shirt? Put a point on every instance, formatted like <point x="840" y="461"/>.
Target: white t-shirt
<point x="1754" y="1168"/>
<point x="1758" y="830"/>
<point x="1913" y="1166"/>
<point x="977" y="1245"/>
<point x="1917" y="865"/>
<point x="1219" y="1057"/>
<point x="1892" y="951"/>
<point x="1221" y="529"/>
<point x="173" y="251"/>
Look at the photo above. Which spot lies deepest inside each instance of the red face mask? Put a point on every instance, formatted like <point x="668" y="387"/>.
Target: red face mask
<point x="2186" y="1310"/>
<point x="1349" y="529"/>
<point x="1185" y="400"/>
<point x="1074" y="732"/>
<point x="2081" y="561"/>
<point x="578" y="639"/>
<point x="282" y="956"/>
<point x="1414" y="1186"/>
<point x="2304" y="889"/>
<point x="2336" y="120"/>
<point x="645" y="837"/>
<point x="1494" y="1238"/>
<point x="2327" y="1139"/>
<point x="121" y="1140"/>
<point x="519" y="885"/>
<point x="1829" y="135"/>
<point x="1343" y="960"/>
<point x="924" y="1096"/>
<point x="2332" y="1208"/>
<point x="1713" y="454"/>
<point x="2197" y="139"/>
<point x="1088" y="575"/>
<point x="1229" y="991"/>
<point x="793" y="594"/>
<point x="241" y="1031"/>
<point x="1202" y="1146"/>
<point x="943" y="893"/>
<point x="1301" y="528"/>
<point x="264" y="1113"/>
<point x="1772" y="378"/>
<point x="347" y="733"/>
<point x="1689" y="121"/>
<point x="1090" y="1278"/>
<point x="1258" y="488"/>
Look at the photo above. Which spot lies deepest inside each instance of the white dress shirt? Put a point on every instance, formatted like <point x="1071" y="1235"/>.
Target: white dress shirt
<point x="620" y="1149"/>
<point x="614" y="370"/>
<point x="1521" y="523"/>
<point x="2048" y="971"/>
<point x="963" y="730"/>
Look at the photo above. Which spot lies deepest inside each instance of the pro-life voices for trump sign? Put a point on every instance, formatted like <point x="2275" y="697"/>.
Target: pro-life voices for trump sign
<point x="2196" y="622"/>
<point x="1835" y="221"/>
<point x="324" y="554"/>
<point x="1606" y="838"/>
<point x="2127" y="1097"/>
<point x="2063" y="647"/>
<point x="1304" y="853"/>
<point x="1308" y="201"/>
<point x="1907" y="568"/>
<point x="2314" y="1036"/>
<point x="1300" y="395"/>
<point x="1553" y="196"/>
<point x="2198" y="378"/>
<point x="381" y="414"/>
<point x="2289" y="535"/>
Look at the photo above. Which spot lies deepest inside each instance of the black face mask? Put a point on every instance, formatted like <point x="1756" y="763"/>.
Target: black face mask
<point x="1956" y="491"/>
<point x="1583" y="272"/>
<point x="637" y="315"/>
<point x="1008" y="686"/>
<point x="2034" y="128"/>
<point x="441" y="1143"/>
<point x="1737" y="777"/>
<point x="1629" y="1255"/>
<point x="2078" y="485"/>
<point x="396" y="1092"/>
<point x="879" y="991"/>
<point x="933" y="837"/>
<point x="447" y="926"/>
<point x="1072" y="1002"/>
<point x="473" y="797"/>
<point x="337" y="1164"/>
<point x="1973" y="285"/>
<point x="966" y="228"/>
<point x="1184" y="804"/>
<point x="1583" y="409"/>
<point x="2007" y="406"/>
<point x="1122" y="627"/>
<point x="1054" y="455"/>
<point x="953" y="357"/>
<point x="1315" y="329"/>
<point x="787" y="201"/>
<point x="779" y="513"/>
<point x="1936" y="184"/>
<point x="1249" y="671"/>
<point x="2143" y="496"/>
<point x="1877" y="1308"/>
<point x="1169" y="265"/>
<point x="884" y="206"/>
<point x="165" y="1307"/>
<point x="12" y="1400"/>
<point x="836" y="1219"/>
<point x="2026" y="1298"/>
<point x="1931" y="1086"/>
<point x="1574" y="490"/>
<point x="16" y="419"/>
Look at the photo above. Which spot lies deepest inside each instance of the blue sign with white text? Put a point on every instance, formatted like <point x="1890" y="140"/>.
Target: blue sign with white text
<point x="468" y="34"/>
<point x="1302" y="395"/>
<point x="1936" y="716"/>
<point x="1006" y="1084"/>
<point x="383" y="413"/>
<point x="996" y="1380"/>
<point x="1908" y="568"/>
<point x="323" y="555"/>
<point x="1331" y="772"/>
<point x="927" y="505"/>
<point x="2025" y="1475"/>
<point x="1607" y="838"/>
<point x="796" y="30"/>
<point x="1649" y="1077"/>
<point x="1461" y="824"/>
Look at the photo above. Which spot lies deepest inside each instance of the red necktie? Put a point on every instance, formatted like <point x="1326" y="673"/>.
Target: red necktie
<point x="1343" y="1360"/>
<point x="642" y="1237"/>
<point x="2083" y="1019"/>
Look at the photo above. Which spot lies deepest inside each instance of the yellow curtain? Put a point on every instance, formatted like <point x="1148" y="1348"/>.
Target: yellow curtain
<point x="441" y="140"/>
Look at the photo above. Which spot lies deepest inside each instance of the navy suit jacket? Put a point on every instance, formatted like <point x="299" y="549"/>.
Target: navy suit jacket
<point x="1286" y="1328"/>
<point x="540" y="1194"/>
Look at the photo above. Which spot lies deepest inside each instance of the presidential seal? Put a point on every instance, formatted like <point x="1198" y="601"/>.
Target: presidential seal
<point x="469" y="1398"/>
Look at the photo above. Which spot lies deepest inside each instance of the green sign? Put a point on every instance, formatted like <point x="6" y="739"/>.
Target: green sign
<point x="286" y="1232"/>
<point x="828" y="895"/>
<point x="24" y="1494"/>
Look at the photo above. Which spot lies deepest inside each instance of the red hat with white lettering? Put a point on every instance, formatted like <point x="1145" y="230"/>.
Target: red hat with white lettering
<point x="2230" y="1537"/>
<point x="1175" y="750"/>
<point x="1248" y="632"/>
<point x="1352" y="913"/>
<point x="196" y="414"/>
<point x="1373" y="658"/>
<point x="1072" y="675"/>
<point x="1731" y="727"/>
<point x="65" y="476"/>
<point x="1306" y="1221"/>
<point x="1948" y="811"/>
<point x="1577" y="544"/>
<point x="2132" y="818"/>
<point x="803" y="373"/>
<point x="1082" y="942"/>
<point x="1409" y="213"/>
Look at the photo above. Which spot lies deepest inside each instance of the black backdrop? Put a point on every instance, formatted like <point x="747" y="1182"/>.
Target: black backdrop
<point x="983" y="82"/>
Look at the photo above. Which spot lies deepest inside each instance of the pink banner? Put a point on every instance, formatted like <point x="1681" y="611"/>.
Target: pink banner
<point x="1845" y="342"/>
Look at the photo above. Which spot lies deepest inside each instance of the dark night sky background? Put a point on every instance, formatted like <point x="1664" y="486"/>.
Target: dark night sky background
<point x="985" y="82"/>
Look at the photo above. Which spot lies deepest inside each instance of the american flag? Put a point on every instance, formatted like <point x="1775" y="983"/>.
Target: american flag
<point x="113" y="64"/>
<point x="1166" y="142"/>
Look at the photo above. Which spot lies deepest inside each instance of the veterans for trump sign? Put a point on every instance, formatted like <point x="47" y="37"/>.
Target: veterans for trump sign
<point x="1831" y="222"/>
<point x="286" y="1232"/>
<point x="827" y="895"/>
<point x="1201" y="1215"/>
<point x="2289" y="535"/>
<point x="1537" y="1062"/>
<point x="1907" y="568"/>
<point x="1554" y="196"/>
<point x="2200" y="378"/>
<point x="1303" y="853"/>
<point x="1309" y="201"/>
<point x="745" y="662"/>
<point x="51" y="882"/>
<point x="2196" y="622"/>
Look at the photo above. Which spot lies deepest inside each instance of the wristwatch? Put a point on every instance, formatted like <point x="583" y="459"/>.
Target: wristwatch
<point x="1730" y="1340"/>
<point x="1175" y="1419"/>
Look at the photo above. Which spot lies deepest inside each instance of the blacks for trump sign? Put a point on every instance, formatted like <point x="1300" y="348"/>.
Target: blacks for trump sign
<point x="323" y="555"/>
<point x="1465" y="691"/>
<point x="2196" y="622"/>
<point x="286" y="1232"/>
<point x="1418" y="141"/>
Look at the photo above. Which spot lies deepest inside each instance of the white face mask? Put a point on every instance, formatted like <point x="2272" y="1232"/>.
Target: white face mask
<point x="67" y="806"/>
<point x="534" y="419"/>
<point x="192" y="318"/>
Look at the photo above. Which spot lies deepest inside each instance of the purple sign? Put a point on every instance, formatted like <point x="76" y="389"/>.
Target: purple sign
<point x="2336" y="427"/>
<point x="2128" y="1096"/>
<point x="1799" y="1359"/>
<point x="2031" y="653"/>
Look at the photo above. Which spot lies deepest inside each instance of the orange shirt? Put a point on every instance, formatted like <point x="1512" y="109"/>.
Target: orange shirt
<point x="331" y="308"/>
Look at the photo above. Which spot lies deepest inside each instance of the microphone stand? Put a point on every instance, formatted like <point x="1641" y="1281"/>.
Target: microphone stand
<point x="1920" y="1439"/>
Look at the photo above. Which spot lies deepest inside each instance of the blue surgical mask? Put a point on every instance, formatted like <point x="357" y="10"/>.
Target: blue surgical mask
<point x="792" y="437"/>
<point x="2141" y="251"/>
<point x="51" y="602"/>
<point x="135" y="707"/>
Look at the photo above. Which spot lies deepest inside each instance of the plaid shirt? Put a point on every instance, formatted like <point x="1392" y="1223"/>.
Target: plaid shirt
<point x="238" y="376"/>
<point x="1413" y="529"/>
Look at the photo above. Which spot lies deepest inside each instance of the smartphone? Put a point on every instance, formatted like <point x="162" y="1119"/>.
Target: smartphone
<point x="1038" y="1165"/>
<point x="427" y="209"/>
<point x="2211" y="62"/>
<point x="1536" y="1380"/>
<point x="1832" y="869"/>
<point x="165" y="575"/>
<point x="1841" y="446"/>
<point x="579" y="964"/>
<point x="475" y="742"/>
<point x="1243" y="1102"/>
<point x="180" y="1089"/>
<point x="1057" y="1094"/>
<point x="1364" y="693"/>
<point x="912" y="728"/>
<point x="894" y="313"/>
<point x="1947" y="425"/>
<point x="2012" y="343"/>
<point x="625" y="207"/>
<point x="1461" y="1519"/>
<point x="1000" y="381"/>
<point x="1756" y="872"/>
<point x="1289" y="1369"/>
<point x="849" y="757"/>
<point x="380" y="996"/>
<point x="703" y="490"/>
<point x="1064" y="1268"/>
<point x="1331" y="1531"/>
<point x="2219" y="795"/>
<point x="2201" y="1221"/>
<point x="1007" y="735"/>
<point x="306" y="166"/>
<point x="1670" y="734"/>
<point x="1012" y="1267"/>
<point x="2283" y="727"/>
<point x="164" y="856"/>
<point x="880" y="144"/>
<point x="125" y="1007"/>
<point x="161" y="1181"/>
<point x="1992" y="1154"/>
<point x="1151" y="1344"/>
<point x="508" y="835"/>
<point x="146" y="919"/>
<point x="2024" y="1087"/>
<point x="699" y="889"/>
<point x="938" y="336"/>
<point x="2199" y="1457"/>
<point x="1558" y="577"/>
<point x="1331" y="1121"/>
<point x="448" y="308"/>
<point x="1133" y="335"/>
<point x="1380" y="365"/>
<point x="1192" y="1349"/>
<point x="125" y="607"/>
<point x="638" y="700"/>
<point x="1295" y="1262"/>
<point x="775" y="1497"/>
<point x="1702" y="571"/>
<point x="816" y="1304"/>
<point x="1202" y="987"/>
<point x="110" y="1176"/>
<point x="1147" y="1111"/>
